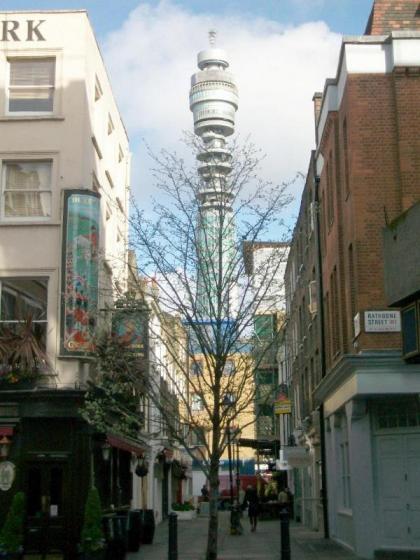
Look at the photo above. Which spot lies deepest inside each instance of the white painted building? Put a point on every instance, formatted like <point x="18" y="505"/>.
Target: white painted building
<point x="64" y="189"/>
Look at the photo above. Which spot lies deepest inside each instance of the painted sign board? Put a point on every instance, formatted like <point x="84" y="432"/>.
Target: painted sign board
<point x="80" y="271"/>
<point x="130" y="329"/>
<point x="382" y="321"/>
<point x="283" y="407"/>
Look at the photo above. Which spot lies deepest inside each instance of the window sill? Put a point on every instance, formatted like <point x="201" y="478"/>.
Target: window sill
<point x="20" y="118"/>
<point x="345" y="512"/>
<point x="31" y="223"/>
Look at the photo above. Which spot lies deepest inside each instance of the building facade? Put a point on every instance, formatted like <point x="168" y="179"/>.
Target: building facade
<point x="64" y="159"/>
<point x="303" y="352"/>
<point x="366" y="170"/>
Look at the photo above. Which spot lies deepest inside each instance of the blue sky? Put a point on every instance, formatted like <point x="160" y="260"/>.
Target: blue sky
<point x="281" y="52"/>
<point x="342" y="16"/>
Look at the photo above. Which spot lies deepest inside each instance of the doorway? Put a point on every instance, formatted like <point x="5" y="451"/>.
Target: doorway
<point x="47" y="509"/>
<point x="398" y="489"/>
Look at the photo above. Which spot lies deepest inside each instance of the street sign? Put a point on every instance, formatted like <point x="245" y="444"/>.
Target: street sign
<point x="283" y="406"/>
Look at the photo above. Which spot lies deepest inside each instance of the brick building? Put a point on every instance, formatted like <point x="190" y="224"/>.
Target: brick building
<point x="367" y="166"/>
<point x="303" y="351"/>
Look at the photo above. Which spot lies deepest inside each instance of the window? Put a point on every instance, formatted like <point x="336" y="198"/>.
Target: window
<point x="197" y="368"/>
<point x="196" y="403"/>
<point x="345" y="468"/>
<point x="120" y="154"/>
<point x="96" y="186"/>
<point x="229" y="368"/>
<point x="98" y="89"/>
<point x="352" y="281"/>
<point x="97" y="148"/>
<point x="31" y="85"/>
<point x="22" y="298"/>
<point x="26" y="187"/>
<point x="346" y="158"/>
<point x="111" y="126"/>
<point x="109" y="178"/>
<point x="265" y="377"/>
<point x="330" y="195"/>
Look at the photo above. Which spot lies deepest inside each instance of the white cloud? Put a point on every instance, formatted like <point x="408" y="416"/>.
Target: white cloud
<point x="277" y="67"/>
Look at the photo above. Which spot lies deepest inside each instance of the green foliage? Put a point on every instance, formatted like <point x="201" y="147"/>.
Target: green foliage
<point x="92" y="535"/>
<point x="112" y="400"/>
<point x="11" y="535"/>
<point x="186" y="506"/>
<point x="22" y="352"/>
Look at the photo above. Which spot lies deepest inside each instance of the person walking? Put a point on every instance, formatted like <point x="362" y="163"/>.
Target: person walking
<point x="251" y="500"/>
<point x="283" y="499"/>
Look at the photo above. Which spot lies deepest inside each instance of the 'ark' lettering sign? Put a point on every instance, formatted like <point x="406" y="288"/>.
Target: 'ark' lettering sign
<point x="13" y="30"/>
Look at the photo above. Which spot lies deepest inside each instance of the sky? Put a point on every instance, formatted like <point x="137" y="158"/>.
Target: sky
<point x="281" y="52"/>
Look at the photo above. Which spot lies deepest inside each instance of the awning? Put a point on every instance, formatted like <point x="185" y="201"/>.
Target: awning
<point x="125" y="444"/>
<point x="6" y="431"/>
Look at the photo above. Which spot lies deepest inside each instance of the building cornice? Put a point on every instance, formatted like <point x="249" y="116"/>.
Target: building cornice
<point x="367" y="54"/>
<point x="385" y="363"/>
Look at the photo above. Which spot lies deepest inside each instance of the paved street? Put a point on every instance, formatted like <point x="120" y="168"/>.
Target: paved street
<point x="262" y="545"/>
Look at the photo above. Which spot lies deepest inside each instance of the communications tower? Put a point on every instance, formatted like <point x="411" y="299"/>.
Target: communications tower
<point x="214" y="102"/>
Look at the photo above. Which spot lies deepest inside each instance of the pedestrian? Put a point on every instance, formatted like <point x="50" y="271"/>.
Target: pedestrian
<point x="205" y="493"/>
<point x="291" y="502"/>
<point x="252" y="501"/>
<point x="283" y="499"/>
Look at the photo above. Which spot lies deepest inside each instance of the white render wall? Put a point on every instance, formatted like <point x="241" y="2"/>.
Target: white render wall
<point x="33" y="247"/>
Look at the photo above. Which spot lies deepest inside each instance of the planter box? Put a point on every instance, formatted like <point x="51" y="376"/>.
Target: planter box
<point x="185" y="515"/>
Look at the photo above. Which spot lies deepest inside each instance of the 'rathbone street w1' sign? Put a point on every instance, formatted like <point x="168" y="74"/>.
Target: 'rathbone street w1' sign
<point x="29" y="30"/>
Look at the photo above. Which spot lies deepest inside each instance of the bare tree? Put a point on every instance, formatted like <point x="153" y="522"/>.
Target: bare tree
<point x="194" y="255"/>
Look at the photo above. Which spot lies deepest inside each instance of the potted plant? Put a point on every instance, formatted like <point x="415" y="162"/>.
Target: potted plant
<point x="92" y="546"/>
<point x="22" y="355"/>
<point x="184" y="511"/>
<point x="11" y="535"/>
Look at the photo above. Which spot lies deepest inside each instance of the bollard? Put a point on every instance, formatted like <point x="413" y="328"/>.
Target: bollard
<point x="173" y="537"/>
<point x="285" y="535"/>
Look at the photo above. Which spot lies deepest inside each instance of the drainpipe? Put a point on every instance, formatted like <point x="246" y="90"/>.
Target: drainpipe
<point x="324" y="496"/>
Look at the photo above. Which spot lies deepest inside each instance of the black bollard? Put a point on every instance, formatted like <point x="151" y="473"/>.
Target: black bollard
<point x="173" y="537"/>
<point x="285" y="535"/>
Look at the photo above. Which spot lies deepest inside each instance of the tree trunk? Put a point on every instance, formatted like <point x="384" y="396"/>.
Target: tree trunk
<point x="214" y="519"/>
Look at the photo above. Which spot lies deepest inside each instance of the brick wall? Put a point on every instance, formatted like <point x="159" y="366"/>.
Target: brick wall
<point x="393" y="15"/>
<point x="377" y="125"/>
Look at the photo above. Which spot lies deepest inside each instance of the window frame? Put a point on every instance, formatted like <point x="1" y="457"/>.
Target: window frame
<point x="40" y="277"/>
<point x="25" y="158"/>
<point x="197" y="402"/>
<point x="20" y="56"/>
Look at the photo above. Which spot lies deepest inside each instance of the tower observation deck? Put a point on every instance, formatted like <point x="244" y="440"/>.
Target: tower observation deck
<point x="214" y="102"/>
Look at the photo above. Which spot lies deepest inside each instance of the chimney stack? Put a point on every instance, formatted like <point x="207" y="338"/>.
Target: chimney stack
<point x="393" y="15"/>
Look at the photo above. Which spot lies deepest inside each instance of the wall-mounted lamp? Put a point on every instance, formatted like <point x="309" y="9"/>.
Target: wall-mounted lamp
<point x="5" y="444"/>
<point x="142" y="467"/>
<point x="106" y="451"/>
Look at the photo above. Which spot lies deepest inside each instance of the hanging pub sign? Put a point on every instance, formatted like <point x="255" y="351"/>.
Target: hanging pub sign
<point x="282" y="405"/>
<point x="80" y="271"/>
<point x="130" y="329"/>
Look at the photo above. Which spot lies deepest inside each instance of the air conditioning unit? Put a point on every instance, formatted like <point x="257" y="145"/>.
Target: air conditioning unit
<point x="313" y="301"/>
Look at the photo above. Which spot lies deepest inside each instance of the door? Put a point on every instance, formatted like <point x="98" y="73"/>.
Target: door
<point x="413" y="488"/>
<point x="398" y="460"/>
<point x="47" y="507"/>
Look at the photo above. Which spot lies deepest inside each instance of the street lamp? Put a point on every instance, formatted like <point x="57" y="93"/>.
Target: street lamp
<point x="235" y="525"/>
